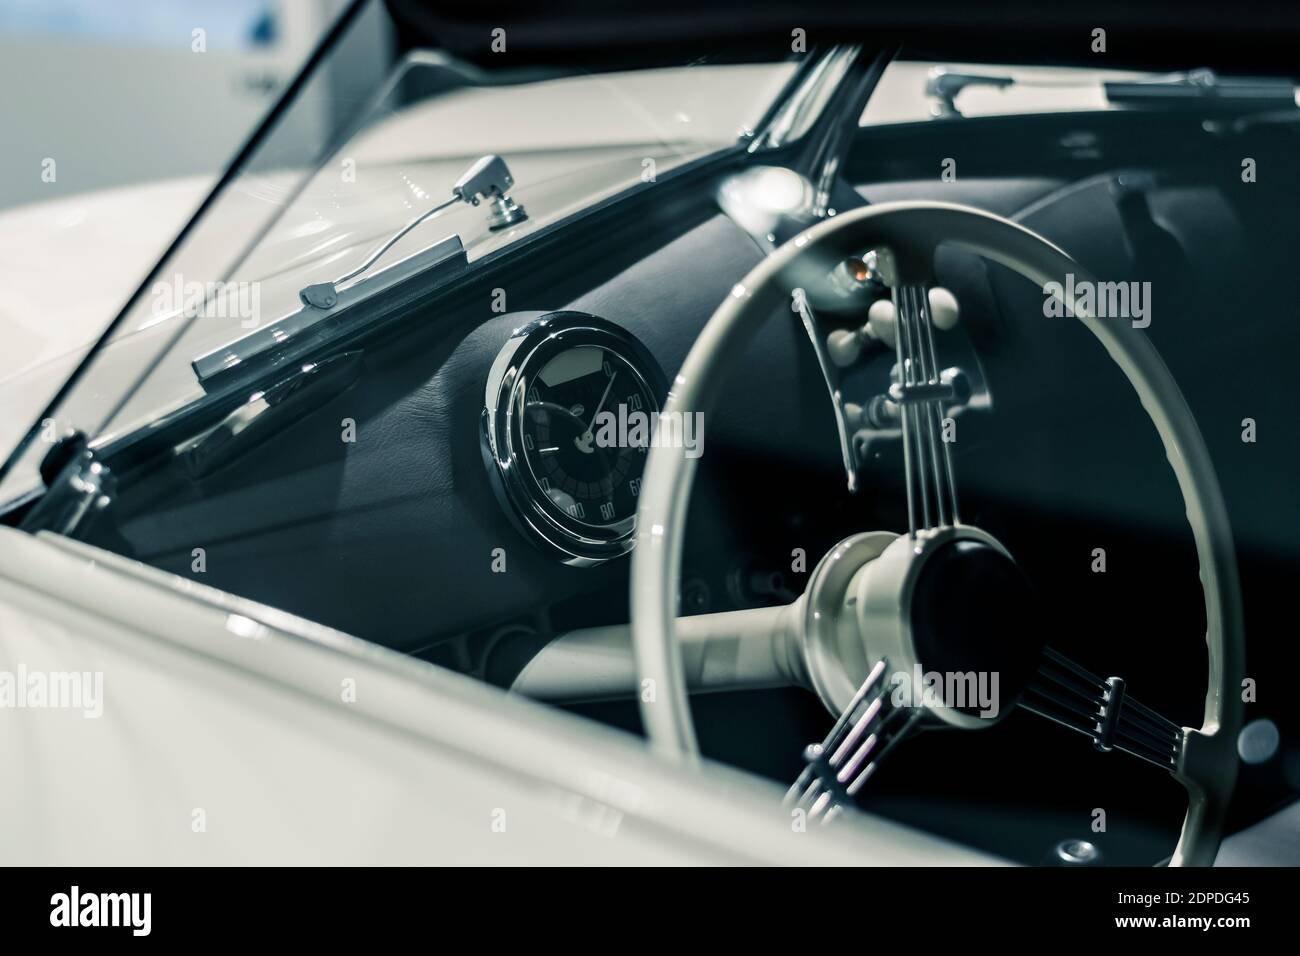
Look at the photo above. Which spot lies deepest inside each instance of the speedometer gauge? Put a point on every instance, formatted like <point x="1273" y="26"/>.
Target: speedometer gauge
<point x="568" y="403"/>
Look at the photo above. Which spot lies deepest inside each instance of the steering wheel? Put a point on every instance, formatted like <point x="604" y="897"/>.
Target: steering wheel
<point x="943" y="597"/>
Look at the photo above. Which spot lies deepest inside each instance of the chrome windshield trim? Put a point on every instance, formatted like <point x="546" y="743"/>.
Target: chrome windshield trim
<point x="801" y="106"/>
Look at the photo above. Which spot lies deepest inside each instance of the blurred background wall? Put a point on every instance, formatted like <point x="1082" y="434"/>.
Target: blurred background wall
<point x="127" y="91"/>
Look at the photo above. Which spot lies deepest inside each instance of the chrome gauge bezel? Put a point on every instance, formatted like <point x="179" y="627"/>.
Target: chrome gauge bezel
<point x="573" y="541"/>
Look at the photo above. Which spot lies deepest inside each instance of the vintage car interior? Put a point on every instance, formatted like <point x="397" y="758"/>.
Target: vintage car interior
<point x="402" y="448"/>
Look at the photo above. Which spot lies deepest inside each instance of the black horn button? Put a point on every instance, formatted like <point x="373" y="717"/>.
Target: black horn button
<point x="975" y="626"/>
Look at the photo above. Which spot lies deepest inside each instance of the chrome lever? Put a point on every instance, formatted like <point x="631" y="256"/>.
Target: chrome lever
<point x="831" y="378"/>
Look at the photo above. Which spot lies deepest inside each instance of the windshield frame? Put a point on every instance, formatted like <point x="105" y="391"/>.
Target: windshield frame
<point x="340" y="27"/>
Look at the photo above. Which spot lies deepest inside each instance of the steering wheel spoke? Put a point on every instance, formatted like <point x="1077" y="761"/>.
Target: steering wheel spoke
<point x="838" y="767"/>
<point x="1102" y="709"/>
<point x="922" y="392"/>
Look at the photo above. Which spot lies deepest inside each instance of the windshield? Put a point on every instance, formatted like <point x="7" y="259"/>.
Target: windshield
<point x="338" y="172"/>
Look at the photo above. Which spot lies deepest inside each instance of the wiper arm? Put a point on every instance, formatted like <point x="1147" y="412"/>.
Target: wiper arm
<point x="488" y="179"/>
<point x="945" y="87"/>
<point x="325" y="295"/>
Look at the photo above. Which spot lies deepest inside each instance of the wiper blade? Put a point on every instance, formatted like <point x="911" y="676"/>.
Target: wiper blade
<point x="1198" y="89"/>
<point x="293" y="336"/>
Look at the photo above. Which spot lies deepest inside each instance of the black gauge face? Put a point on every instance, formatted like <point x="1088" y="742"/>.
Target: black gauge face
<point x="584" y="432"/>
<point x="571" y="410"/>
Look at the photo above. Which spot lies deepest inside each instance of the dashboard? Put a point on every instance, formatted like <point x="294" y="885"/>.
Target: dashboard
<point x="415" y="506"/>
<point x="449" y="530"/>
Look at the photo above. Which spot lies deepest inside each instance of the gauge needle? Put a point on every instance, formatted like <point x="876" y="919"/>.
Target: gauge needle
<point x="583" y="441"/>
<point x="602" y="401"/>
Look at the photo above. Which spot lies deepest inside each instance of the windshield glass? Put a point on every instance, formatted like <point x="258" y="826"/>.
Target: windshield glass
<point x="343" y="166"/>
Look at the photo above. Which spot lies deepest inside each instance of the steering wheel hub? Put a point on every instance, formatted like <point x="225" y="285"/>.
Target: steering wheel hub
<point x="974" y="623"/>
<point x="949" y="611"/>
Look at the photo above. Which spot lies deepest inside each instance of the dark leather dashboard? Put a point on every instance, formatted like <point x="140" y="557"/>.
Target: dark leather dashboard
<point x="391" y="537"/>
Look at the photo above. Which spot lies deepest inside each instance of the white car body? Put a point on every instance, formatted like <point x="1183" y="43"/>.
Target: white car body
<point x="233" y="733"/>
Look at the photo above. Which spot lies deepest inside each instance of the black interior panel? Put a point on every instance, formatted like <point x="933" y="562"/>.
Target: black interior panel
<point x="374" y="537"/>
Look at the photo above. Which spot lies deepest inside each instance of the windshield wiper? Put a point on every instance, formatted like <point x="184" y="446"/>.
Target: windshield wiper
<point x="1199" y="89"/>
<point x="488" y="179"/>
<point x="293" y="335"/>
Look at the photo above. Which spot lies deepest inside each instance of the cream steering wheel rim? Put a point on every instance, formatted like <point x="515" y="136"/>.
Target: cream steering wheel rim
<point x="912" y="230"/>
